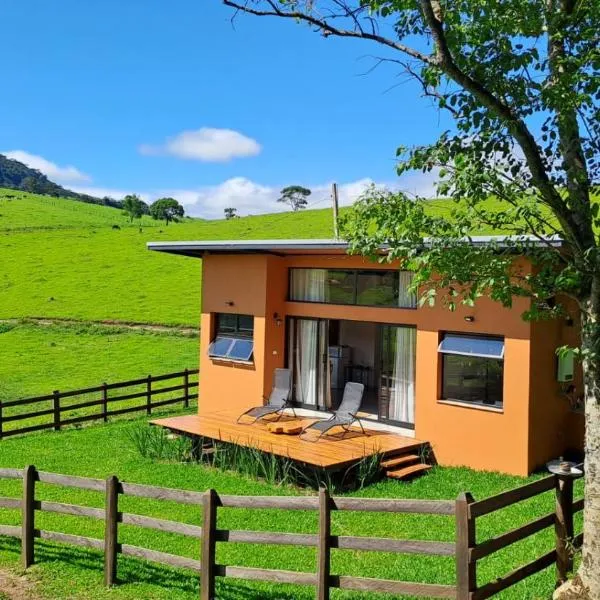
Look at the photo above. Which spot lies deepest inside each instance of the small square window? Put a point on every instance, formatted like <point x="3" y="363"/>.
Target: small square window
<point x="233" y="337"/>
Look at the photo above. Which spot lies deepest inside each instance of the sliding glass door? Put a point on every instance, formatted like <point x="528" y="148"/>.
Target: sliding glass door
<point x="397" y="377"/>
<point x="308" y="357"/>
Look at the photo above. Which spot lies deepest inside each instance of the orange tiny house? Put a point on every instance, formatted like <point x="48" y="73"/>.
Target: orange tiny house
<point x="480" y="385"/>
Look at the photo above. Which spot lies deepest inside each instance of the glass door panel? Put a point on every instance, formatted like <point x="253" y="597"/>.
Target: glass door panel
<point x="308" y="357"/>
<point x="397" y="378"/>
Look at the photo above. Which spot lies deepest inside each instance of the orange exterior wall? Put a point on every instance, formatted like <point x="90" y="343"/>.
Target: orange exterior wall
<point x="529" y="430"/>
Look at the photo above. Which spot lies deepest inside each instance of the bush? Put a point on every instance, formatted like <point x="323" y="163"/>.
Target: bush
<point x="156" y="443"/>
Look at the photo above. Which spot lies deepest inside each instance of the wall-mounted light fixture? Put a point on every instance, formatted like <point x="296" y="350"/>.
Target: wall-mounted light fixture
<point x="277" y="318"/>
<point x="229" y="303"/>
<point x="469" y="318"/>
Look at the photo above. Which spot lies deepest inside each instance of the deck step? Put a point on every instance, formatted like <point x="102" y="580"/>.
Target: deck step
<point x="408" y="471"/>
<point x="396" y="461"/>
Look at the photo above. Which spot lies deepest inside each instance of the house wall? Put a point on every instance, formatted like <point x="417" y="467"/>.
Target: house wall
<point x="554" y="428"/>
<point x="511" y="440"/>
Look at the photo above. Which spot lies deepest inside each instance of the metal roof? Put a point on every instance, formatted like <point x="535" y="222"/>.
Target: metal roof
<point x="316" y="246"/>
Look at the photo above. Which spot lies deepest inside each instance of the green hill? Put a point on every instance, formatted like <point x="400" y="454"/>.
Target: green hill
<point x="15" y="175"/>
<point x="63" y="259"/>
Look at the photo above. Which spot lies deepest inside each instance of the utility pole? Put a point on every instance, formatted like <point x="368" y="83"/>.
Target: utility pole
<point x="334" y="199"/>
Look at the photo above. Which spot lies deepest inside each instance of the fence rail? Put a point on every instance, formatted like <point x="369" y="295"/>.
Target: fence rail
<point x="464" y="510"/>
<point x="53" y="405"/>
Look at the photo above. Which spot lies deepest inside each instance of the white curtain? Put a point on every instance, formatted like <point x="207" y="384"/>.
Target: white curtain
<point x="402" y="394"/>
<point x="308" y="285"/>
<point x="406" y="297"/>
<point x="306" y="361"/>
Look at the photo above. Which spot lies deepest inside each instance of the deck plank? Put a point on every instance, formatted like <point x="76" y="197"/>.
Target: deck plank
<point x="329" y="452"/>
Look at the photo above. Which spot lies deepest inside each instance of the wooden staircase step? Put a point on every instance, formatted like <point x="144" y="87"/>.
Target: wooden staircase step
<point x="396" y="461"/>
<point x="408" y="471"/>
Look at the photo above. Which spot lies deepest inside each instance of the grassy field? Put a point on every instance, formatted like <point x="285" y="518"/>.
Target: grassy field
<point x="35" y="360"/>
<point x="97" y="452"/>
<point x="63" y="259"/>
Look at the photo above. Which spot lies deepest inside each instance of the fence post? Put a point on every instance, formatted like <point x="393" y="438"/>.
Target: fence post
<point x="56" y="407"/>
<point x="563" y="527"/>
<point x="149" y="395"/>
<point x="466" y="568"/>
<point x="1" y="419"/>
<point x="111" y="519"/>
<point x="207" y="561"/>
<point x="28" y="516"/>
<point x="324" y="547"/>
<point x="186" y="390"/>
<point x="105" y="402"/>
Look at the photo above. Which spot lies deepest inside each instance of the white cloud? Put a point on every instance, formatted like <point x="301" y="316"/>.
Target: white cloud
<point x="206" y="144"/>
<point x="114" y="193"/>
<point x="55" y="173"/>
<point x="250" y="197"/>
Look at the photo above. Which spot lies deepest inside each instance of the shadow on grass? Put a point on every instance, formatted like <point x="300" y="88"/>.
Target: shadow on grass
<point x="132" y="571"/>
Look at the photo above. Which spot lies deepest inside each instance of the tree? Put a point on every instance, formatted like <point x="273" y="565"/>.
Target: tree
<point x="295" y="195"/>
<point x="166" y="208"/>
<point x="134" y="207"/>
<point x="230" y="213"/>
<point x="521" y="82"/>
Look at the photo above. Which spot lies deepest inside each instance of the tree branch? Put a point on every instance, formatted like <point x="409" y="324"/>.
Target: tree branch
<point x="329" y="29"/>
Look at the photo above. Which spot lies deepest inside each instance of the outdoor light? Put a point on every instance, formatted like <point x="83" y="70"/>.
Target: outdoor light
<point x="229" y="303"/>
<point x="277" y="318"/>
<point x="469" y="318"/>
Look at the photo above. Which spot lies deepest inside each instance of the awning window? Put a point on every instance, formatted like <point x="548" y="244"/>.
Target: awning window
<point x="229" y="348"/>
<point x="467" y="345"/>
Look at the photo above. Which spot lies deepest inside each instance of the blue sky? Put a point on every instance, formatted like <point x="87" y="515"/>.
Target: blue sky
<point x="133" y="97"/>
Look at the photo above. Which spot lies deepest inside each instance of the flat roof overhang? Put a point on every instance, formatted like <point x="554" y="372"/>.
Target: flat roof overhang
<point x="200" y="248"/>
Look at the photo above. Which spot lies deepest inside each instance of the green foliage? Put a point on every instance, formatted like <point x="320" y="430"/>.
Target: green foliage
<point x="230" y="213"/>
<point x="134" y="207"/>
<point x="156" y="443"/>
<point x="66" y="572"/>
<point x="296" y="196"/>
<point x="166" y="208"/>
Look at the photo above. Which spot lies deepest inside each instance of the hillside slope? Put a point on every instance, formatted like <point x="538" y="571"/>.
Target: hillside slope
<point x="16" y="175"/>
<point x="63" y="259"/>
<point x="24" y="211"/>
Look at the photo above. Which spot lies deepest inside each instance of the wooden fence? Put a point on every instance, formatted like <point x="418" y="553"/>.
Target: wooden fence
<point x="464" y="510"/>
<point x="52" y="409"/>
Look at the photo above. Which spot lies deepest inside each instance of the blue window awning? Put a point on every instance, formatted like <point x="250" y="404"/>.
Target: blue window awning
<point x="230" y="348"/>
<point x="467" y="345"/>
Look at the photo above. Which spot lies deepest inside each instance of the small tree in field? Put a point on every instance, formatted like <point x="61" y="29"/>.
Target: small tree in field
<point x="134" y="207"/>
<point x="168" y="209"/>
<point x="296" y="196"/>
<point x="230" y="213"/>
<point x="521" y="80"/>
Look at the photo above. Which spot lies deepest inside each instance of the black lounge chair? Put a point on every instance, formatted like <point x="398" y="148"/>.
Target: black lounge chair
<point x="346" y="414"/>
<point x="279" y="399"/>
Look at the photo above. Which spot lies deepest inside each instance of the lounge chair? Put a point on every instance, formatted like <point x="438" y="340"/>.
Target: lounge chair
<point x="279" y="399"/>
<point x="346" y="415"/>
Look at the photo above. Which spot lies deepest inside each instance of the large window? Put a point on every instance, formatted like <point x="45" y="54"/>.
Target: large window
<point x="233" y="339"/>
<point x="358" y="287"/>
<point x="472" y="369"/>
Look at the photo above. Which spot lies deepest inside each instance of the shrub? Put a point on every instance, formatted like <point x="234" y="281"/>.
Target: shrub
<point x="157" y="443"/>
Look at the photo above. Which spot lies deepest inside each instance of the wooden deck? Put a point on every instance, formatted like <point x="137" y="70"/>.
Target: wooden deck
<point x="332" y="451"/>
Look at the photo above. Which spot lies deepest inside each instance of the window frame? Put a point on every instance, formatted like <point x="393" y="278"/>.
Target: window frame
<point x="237" y="334"/>
<point x="355" y="273"/>
<point x="478" y="404"/>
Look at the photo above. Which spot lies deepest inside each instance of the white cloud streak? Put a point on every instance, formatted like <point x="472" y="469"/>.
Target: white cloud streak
<point x="54" y="172"/>
<point x="206" y="144"/>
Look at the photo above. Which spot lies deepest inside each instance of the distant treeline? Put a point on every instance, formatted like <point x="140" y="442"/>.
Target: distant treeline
<point x="17" y="176"/>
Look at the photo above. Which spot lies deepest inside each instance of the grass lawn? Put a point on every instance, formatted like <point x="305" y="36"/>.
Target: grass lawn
<point x="65" y="572"/>
<point x="35" y="359"/>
